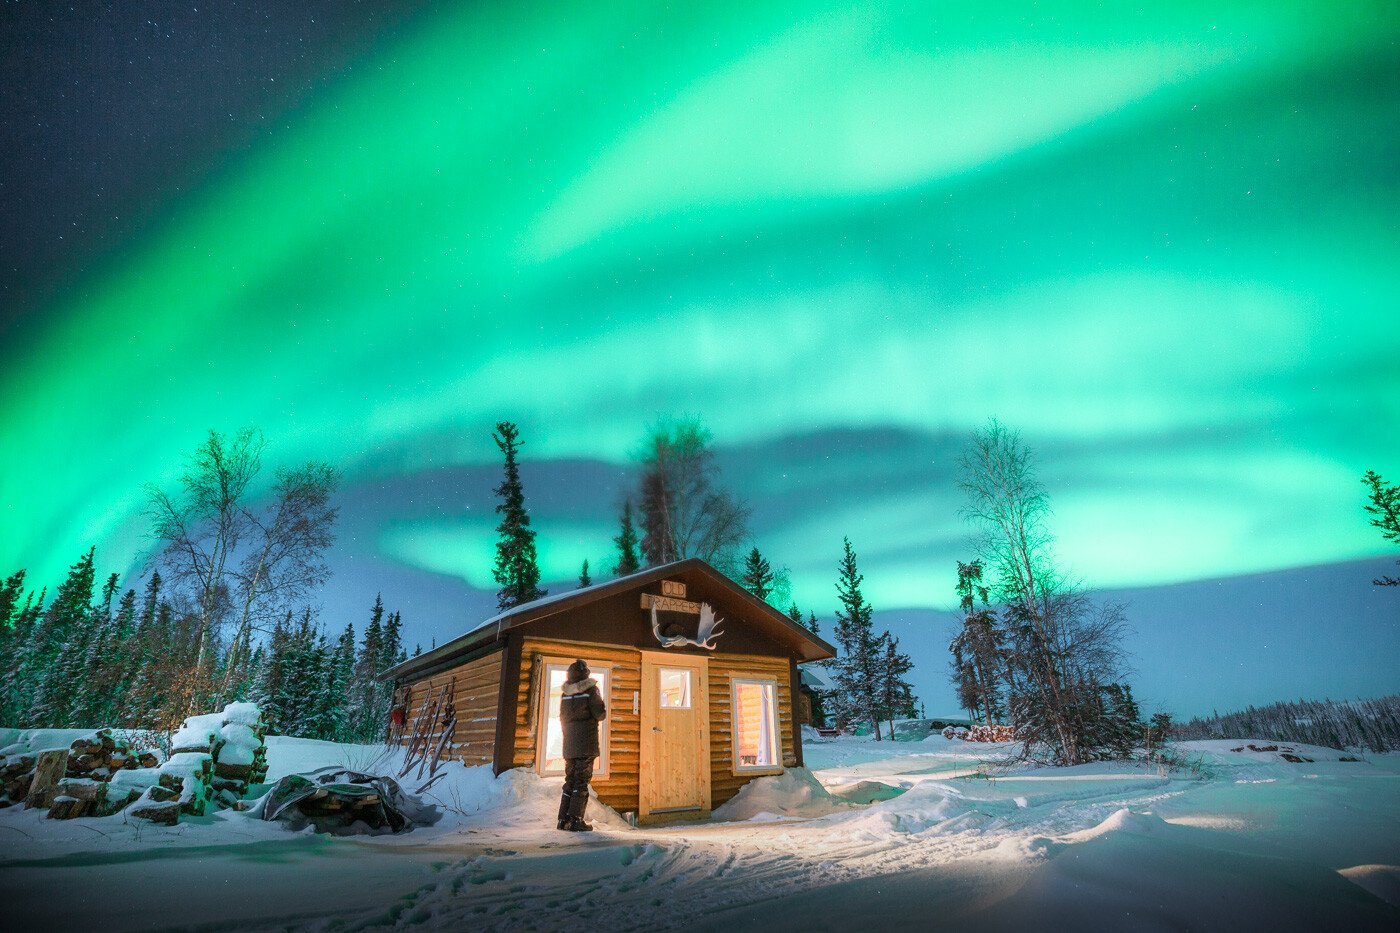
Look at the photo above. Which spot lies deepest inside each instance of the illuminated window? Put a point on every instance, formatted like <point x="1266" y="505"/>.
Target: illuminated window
<point x="550" y="759"/>
<point x="674" y="687"/>
<point x="755" y="709"/>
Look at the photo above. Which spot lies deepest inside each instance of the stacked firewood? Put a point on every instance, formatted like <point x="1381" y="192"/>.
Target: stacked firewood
<point x="190" y="774"/>
<point x="16" y="774"/>
<point x="230" y="752"/>
<point x="74" y="777"/>
<point x="981" y="733"/>
<point x="215" y="759"/>
<point x="240" y="753"/>
<point x="99" y="755"/>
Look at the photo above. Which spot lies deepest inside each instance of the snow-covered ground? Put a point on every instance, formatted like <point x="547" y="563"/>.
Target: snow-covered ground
<point x="886" y="835"/>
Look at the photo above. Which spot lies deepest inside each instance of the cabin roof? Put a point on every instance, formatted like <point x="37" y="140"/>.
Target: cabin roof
<point x="809" y="646"/>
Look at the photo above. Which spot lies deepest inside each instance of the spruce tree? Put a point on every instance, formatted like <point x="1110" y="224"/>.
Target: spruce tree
<point x="382" y="693"/>
<point x="1384" y="507"/>
<point x="10" y="641"/>
<point x="628" y="560"/>
<point x="516" y="569"/>
<point x="268" y="688"/>
<point x="584" y="580"/>
<point x="758" y="575"/>
<point x="364" y="685"/>
<point x="810" y="623"/>
<point x="895" y="695"/>
<point x="10" y="591"/>
<point x="56" y="649"/>
<point x="855" y="668"/>
<point x="14" y="698"/>
<point x="391" y="649"/>
<point x="979" y="669"/>
<point x="341" y="671"/>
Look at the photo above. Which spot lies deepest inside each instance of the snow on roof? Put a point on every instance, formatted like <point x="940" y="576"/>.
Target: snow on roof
<point x="567" y="594"/>
<point x="596" y="591"/>
<point x="448" y="647"/>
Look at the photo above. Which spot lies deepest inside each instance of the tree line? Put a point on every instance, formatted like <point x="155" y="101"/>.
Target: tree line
<point x="223" y="614"/>
<point x="87" y="657"/>
<point x="225" y="611"/>
<point x="1370" y="725"/>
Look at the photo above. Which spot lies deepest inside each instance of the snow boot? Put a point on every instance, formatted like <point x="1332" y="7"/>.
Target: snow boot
<point x="577" y="807"/>
<point x="564" y="811"/>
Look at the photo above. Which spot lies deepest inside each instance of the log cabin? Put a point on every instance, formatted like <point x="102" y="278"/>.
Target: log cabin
<point x="700" y="677"/>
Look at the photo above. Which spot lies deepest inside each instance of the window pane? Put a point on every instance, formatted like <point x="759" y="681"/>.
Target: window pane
<point x="675" y="687"/>
<point x="756" y="725"/>
<point x="555" y="676"/>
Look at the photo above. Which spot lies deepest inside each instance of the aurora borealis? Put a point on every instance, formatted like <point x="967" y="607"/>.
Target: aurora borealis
<point x="1163" y="243"/>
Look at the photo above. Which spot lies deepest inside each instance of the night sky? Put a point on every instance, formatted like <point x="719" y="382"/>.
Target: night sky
<point x="1163" y="243"/>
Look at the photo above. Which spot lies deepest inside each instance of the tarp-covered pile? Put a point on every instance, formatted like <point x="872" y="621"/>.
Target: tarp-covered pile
<point x="345" y="802"/>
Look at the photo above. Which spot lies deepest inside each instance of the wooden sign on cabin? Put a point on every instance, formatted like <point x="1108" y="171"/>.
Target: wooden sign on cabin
<point x="688" y="724"/>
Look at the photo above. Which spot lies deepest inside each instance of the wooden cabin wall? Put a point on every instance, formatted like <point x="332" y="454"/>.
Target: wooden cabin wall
<point x="475" y="690"/>
<point x="724" y="668"/>
<point x="620" y="788"/>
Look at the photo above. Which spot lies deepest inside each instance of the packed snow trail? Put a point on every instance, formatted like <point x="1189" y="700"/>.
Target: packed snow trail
<point x="1249" y="842"/>
<point x="1014" y="829"/>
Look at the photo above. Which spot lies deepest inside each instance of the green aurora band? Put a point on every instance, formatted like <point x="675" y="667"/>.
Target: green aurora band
<point x="1162" y="242"/>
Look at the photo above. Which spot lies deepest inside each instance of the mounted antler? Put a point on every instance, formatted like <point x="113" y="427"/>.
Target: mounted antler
<point x="709" y="628"/>
<point x="705" y="634"/>
<point x="667" y="641"/>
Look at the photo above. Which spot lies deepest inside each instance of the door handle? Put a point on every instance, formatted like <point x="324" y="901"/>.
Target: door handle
<point x="655" y="728"/>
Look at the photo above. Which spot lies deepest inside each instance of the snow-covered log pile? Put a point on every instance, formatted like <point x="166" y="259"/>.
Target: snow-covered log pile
<point x="190" y="774"/>
<point x="214" y="759"/>
<point x="241" y="754"/>
<point x="78" y="773"/>
<point x="220" y="755"/>
<point x="981" y="733"/>
<point x="16" y="773"/>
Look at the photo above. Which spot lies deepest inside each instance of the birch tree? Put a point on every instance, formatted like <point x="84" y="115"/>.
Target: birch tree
<point x="234" y="561"/>
<point x="285" y="557"/>
<point x="1062" y="650"/>
<point x="684" y="512"/>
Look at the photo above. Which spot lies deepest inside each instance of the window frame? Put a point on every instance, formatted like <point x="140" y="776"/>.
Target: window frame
<point x="546" y="662"/>
<point x="777" y="724"/>
<point x="690" y="685"/>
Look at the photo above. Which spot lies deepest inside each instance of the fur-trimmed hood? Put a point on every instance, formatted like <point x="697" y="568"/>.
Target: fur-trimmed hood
<point x="579" y="686"/>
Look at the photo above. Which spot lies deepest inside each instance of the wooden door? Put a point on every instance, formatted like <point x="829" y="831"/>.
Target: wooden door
<point x="675" y="724"/>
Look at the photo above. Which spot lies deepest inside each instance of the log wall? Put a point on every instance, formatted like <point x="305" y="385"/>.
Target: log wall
<point x="475" y="690"/>
<point x="618" y="789"/>
<point x="724" y="668"/>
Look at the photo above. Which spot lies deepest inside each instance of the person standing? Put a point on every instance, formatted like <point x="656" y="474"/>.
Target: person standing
<point x="581" y="708"/>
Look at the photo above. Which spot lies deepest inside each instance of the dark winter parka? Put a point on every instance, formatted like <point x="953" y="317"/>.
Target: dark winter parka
<point x="581" y="708"/>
